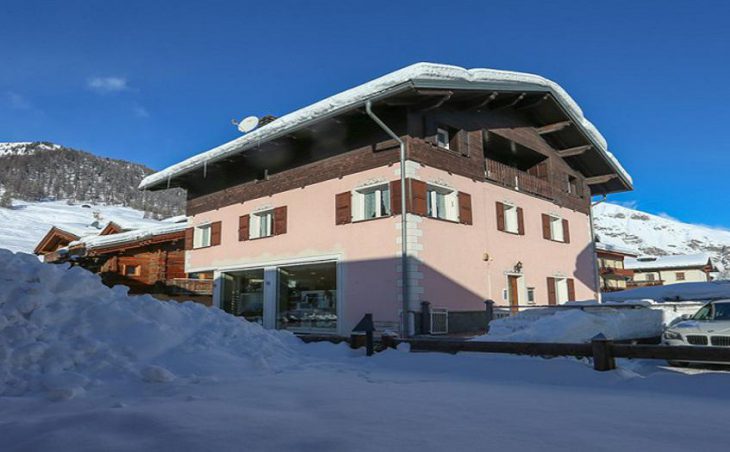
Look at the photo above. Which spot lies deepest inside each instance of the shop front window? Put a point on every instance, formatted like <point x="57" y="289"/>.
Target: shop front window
<point x="243" y="294"/>
<point x="307" y="297"/>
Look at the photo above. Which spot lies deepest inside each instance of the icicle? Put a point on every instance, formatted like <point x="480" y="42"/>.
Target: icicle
<point x="205" y="169"/>
<point x="168" y="180"/>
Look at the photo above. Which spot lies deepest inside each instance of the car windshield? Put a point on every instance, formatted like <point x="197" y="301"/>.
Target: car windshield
<point x="716" y="311"/>
<point x="722" y="311"/>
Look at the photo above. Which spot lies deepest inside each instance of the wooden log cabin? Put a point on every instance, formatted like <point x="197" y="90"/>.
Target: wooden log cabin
<point x="148" y="261"/>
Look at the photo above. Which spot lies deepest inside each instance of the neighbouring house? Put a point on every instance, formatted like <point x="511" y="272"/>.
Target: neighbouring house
<point x="664" y="270"/>
<point x="303" y="220"/>
<point x="611" y="268"/>
<point x="148" y="260"/>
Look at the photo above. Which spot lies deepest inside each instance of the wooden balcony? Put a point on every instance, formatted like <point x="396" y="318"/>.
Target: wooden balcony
<point x="635" y="284"/>
<point x="554" y="188"/>
<point x="616" y="273"/>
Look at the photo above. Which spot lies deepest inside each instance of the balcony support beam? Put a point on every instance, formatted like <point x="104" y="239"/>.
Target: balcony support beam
<point x="578" y="150"/>
<point x="550" y="128"/>
<point x="596" y="180"/>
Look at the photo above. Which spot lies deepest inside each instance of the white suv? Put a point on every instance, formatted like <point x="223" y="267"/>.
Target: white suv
<point x="710" y="326"/>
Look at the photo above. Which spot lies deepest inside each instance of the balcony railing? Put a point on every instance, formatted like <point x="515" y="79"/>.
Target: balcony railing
<point x="184" y="286"/>
<point x="521" y="181"/>
<point x="635" y="284"/>
<point x="617" y="273"/>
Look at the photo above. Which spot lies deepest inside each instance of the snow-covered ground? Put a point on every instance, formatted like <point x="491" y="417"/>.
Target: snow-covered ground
<point x="25" y="224"/>
<point x="86" y="368"/>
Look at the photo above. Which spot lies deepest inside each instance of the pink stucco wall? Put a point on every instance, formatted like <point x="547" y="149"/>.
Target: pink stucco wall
<point x="451" y="272"/>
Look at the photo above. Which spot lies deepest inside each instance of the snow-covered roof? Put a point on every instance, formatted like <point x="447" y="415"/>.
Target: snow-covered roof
<point x="416" y="75"/>
<point x="100" y="241"/>
<point x="600" y="246"/>
<point x="688" y="291"/>
<point x="657" y="262"/>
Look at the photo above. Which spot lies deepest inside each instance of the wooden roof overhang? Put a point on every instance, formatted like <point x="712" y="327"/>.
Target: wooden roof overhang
<point x="555" y="123"/>
<point x="51" y="240"/>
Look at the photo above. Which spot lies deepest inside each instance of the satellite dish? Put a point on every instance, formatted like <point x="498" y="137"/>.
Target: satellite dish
<point x="248" y="124"/>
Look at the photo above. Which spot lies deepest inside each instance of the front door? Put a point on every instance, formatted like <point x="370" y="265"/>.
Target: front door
<point x="513" y="293"/>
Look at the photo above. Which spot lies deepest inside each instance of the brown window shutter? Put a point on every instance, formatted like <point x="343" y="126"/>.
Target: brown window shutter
<point x="189" y="238"/>
<point x="395" y="199"/>
<point x="280" y="220"/>
<point x="215" y="233"/>
<point x="552" y="298"/>
<point x="244" y="223"/>
<point x="546" y="226"/>
<point x="500" y="216"/>
<point x="418" y="204"/>
<point x="343" y="208"/>
<point x="520" y="221"/>
<point x="465" y="216"/>
<point x="566" y="231"/>
<point x="571" y="289"/>
<point x="462" y="142"/>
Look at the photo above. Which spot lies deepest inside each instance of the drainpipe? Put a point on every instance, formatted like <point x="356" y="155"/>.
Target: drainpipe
<point x="404" y="221"/>
<point x="596" y="271"/>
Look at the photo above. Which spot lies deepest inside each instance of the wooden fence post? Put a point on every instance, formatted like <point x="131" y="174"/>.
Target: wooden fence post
<point x="602" y="358"/>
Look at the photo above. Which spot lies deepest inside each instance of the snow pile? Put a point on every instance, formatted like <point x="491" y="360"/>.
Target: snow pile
<point x="25" y="148"/>
<point x="576" y="325"/>
<point x="389" y="83"/>
<point x="690" y="291"/>
<point x="62" y="332"/>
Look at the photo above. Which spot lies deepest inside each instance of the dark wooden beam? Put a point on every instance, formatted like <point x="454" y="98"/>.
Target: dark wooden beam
<point x="439" y="102"/>
<point x="550" y="128"/>
<point x="578" y="150"/>
<point x="534" y="103"/>
<point x="484" y="102"/>
<point x="507" y="102"/>
<point x="596" y="180"/>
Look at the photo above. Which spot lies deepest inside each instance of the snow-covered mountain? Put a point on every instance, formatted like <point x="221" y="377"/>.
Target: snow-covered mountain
<point x="35" y="171"/>
<point x="24" y="225"/>
<point x="659" y="236"/>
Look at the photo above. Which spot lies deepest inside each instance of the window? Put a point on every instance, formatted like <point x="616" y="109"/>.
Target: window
<point x="680" y="276"/>
<point x="650" y="277"/>
<point x="511" y="222"/>
<point x="441" y="203"/>
<point x="262" y="224"/>
<point x="131" y="270"/>
<point x="442" y="138"/>
<point x="573" y="186"/>
<point x="202" y="236"/>
<point x="556" y="229"/>
<point x="531" y="295"/>
<point x="372" y="202"/>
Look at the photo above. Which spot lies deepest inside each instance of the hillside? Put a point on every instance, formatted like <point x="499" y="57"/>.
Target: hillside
<point x="35" y="171"/>
<point x="654" y="235"/>
<point x="23" y="225"/>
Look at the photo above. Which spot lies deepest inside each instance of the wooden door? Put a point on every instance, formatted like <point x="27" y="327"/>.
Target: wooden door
<point x="513" y="293"/>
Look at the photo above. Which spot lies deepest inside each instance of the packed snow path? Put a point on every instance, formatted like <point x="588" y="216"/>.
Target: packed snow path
<point x="187" y="378"/>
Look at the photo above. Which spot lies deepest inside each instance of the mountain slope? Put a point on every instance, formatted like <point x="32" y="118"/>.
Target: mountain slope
<point x="659" y="236"/>
<point x="34" y="171"/>
<point x="25" y="224"/>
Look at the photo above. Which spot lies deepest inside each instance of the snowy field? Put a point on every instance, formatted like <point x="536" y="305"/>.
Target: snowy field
<point x="86" y="368"/>
<point x="25" y="224"/>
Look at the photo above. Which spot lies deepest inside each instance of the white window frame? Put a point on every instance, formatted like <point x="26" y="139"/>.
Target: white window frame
<point x="259" y="230"/>
<point x="511" y="218"/>
<point x="562" y="295"/>
<point x="530" y="295"/>
<point x="358" y="206"/>
<point x="442" y="138"/>
<point x="557" y="233"/>
<point x="202" y="237"/>
<point x="451" y="202"/>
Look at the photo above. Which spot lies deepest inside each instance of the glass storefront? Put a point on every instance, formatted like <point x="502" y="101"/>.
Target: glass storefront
<point x="243" y="294"/>
<point x="307" y="297"/>
<point x="304" y="297"/>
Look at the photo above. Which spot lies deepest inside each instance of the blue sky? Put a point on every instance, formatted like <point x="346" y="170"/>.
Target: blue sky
<point x="156" y="82"/>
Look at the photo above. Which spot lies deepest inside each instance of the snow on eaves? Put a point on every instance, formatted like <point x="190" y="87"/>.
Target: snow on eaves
<point x="354" y="97"/>
<point x="100" y="241"/>
<point x="677" y="261"/>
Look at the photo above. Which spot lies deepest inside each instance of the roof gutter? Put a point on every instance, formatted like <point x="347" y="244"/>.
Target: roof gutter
<point x="404" y="330"/>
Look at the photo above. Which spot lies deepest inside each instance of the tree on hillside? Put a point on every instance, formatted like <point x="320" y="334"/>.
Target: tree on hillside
<point x="6" y="200"/>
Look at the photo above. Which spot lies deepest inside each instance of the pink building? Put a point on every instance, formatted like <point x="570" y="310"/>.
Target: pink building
<point x="301" y="219"/>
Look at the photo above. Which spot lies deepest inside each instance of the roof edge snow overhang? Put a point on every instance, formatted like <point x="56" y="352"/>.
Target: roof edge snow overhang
<point x="570" y="108"/>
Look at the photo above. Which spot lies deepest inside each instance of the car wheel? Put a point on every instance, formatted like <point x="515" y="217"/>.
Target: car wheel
<point x="678" y="363"/>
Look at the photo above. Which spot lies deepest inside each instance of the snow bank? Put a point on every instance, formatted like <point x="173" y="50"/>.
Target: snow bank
<point x="62" y="331"/>
<point x="427" y="72"/>
<point x="576" y="325"/>
<point x="690" y="291"/>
